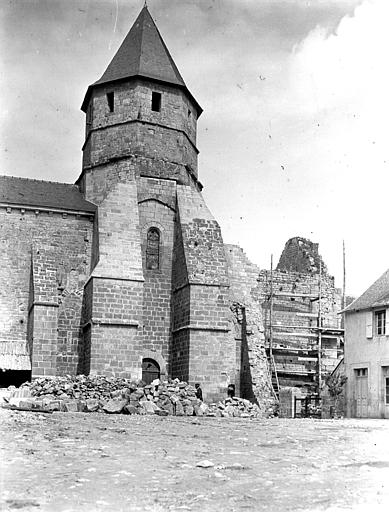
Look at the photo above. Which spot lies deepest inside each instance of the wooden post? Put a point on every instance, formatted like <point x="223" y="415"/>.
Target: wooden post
<point x="344" y="285"/>
<point x="344" y="276"/>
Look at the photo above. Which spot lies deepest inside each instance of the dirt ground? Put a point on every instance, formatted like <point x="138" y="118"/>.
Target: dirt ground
<point x="95" y="462"/>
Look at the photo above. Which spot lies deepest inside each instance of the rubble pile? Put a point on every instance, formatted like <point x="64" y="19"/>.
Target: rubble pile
<point x="235" y="407"/>
<point x="116" y="395"/>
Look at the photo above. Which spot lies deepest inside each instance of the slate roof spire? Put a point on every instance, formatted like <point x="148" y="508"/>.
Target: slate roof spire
<point x="143" y="53"/>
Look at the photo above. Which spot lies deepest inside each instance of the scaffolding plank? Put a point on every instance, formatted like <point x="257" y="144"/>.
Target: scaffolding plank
<point x="307" y="335"/>
<point x="296" y="327"/>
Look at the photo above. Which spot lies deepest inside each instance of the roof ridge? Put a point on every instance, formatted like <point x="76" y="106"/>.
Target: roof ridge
<point x="372" y="294"/>
<point x="171" y="60"/>
<point x="38" y="180"/>
<point x="141" y="36"/>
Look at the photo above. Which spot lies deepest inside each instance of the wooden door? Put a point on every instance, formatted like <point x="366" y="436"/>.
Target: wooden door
<point x="361" y="392"/>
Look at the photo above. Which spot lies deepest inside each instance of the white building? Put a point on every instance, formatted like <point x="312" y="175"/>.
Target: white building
<point x="367" y="352"/>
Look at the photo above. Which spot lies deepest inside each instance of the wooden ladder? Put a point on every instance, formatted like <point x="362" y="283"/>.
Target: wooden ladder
<point x="274" y="376"/>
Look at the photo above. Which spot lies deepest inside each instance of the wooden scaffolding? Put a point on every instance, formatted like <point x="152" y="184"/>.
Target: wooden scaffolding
<point x="283" y="341"/>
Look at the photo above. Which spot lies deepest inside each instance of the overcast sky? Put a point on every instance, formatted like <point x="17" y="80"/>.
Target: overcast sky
<point x="294" y="135"/>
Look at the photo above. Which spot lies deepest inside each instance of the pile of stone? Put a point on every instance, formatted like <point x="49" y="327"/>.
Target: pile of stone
<point x="235" y="407"/>
<point x="115" y="395"/>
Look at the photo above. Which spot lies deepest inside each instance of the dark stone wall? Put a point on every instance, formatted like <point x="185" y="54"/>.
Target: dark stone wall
<point x="45" y="258"/>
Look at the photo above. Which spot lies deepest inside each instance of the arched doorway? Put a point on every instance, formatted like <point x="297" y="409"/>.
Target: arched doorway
<point x="150" y="370"/>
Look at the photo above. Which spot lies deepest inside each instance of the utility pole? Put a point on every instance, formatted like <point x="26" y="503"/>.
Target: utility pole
<point x="344" y="277"/>
<point x="319" y="331"/>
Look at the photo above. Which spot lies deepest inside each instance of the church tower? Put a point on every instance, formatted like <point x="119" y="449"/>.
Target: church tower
<point x="156" y="301"/>
<point x="141" y="107"/>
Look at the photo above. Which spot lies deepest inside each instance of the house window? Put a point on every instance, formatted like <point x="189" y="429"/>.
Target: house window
<point x="156" y="101"/>
<point x="111" y="101"/>
<point x="361" y="373"/>
<point x="379" y="322"/>
<point x="152" y="249"/>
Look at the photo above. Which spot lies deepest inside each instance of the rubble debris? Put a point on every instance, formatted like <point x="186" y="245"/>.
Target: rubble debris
<point x="114" y="395"/>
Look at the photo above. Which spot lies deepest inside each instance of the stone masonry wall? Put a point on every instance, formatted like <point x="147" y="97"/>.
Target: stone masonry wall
<point x="115" y="323"/>
<point x="113" y="306"/>
<point x="133" y="102"/>
<point x="44" y="309"/>
<point x="202" y="276"/>
<point x="301" y="255"/>
<point x="97" y="183"/>
<point x="180" y="349"/>
<point x="138" y="138"/>
<point x="69" y="236"/>
<point x="157" y="202"/>
<point x="133" y="128"/>
<point x="118" y="232"/>
<point x="254" y="379"/>
<point x="301" y="311"/>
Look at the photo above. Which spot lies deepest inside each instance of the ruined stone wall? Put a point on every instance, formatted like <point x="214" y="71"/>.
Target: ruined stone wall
<point x="301" y="255"/>
<point x="69" y="238"/>
<point x="254" y="378"/>
<point x="295" y="309"/>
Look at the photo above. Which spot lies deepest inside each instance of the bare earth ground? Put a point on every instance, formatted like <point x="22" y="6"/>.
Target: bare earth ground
<point x="95" y="462"/>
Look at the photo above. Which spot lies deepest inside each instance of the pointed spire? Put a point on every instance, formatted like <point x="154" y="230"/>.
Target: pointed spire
<point x="143" y="53"/>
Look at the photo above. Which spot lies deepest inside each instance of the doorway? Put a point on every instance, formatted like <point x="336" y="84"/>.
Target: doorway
<point x="361" y="392"/>
<point x="150" y="370"/>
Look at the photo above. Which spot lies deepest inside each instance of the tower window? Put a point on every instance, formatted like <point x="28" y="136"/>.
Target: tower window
<point x="156" y="101"/>
<point x="189" y="113"/>
<point x="89" y="116"/>
<point x="111" y="101"/>
<point x="152" y="249"/>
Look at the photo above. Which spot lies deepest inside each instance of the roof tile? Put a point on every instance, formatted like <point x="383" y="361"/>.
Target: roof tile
<point x="375" y="296"/>
<point x="143" y="53"/>
<point x="48" y="194"/>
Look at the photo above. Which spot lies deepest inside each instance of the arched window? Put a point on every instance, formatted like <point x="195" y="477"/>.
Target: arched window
<point x="152" y="249"/>
<point x="150" y="370"/>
